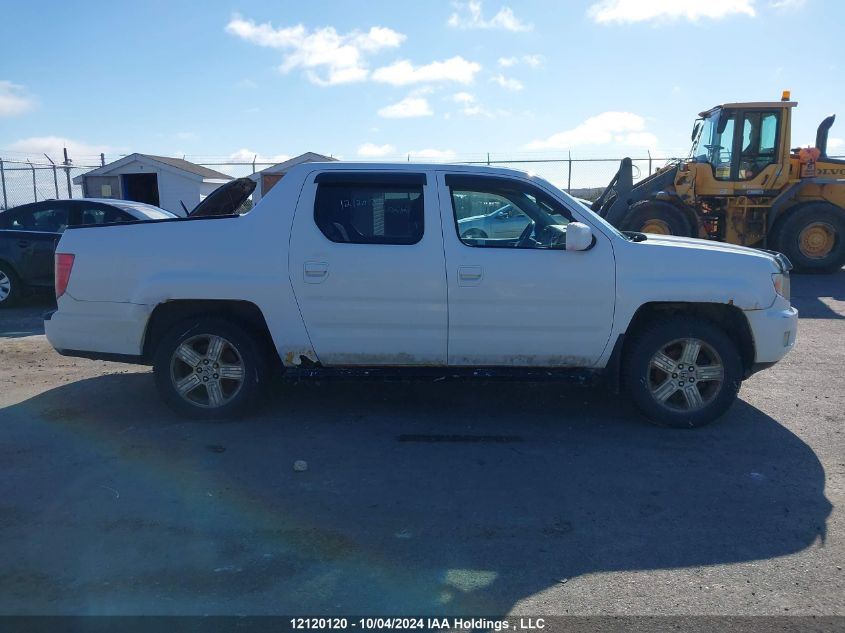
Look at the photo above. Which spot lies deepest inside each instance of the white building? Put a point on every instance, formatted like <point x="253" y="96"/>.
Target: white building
<point x="267" y="178"/>
<point x="170" y="183"/>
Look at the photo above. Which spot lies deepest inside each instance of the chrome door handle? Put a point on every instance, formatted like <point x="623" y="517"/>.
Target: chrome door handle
<point x="316" y="272"/>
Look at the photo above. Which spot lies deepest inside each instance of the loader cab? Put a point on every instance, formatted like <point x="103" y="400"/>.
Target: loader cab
<point x="742" y="143"/>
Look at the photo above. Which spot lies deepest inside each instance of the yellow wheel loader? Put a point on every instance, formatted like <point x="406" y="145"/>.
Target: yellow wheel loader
<point x="744" y="185"/>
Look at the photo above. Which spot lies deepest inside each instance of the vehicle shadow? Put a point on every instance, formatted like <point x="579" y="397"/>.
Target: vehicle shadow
<point x="809" y="290"/>
<point x="424" y="498"/>
<point x="25" y="318"/>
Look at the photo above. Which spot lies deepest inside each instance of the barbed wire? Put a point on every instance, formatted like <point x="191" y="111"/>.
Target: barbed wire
<point x="28" y="180"/>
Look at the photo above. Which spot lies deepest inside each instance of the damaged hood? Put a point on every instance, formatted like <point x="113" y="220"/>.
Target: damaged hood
<point x="676" y="242"/>
<point x="226" y="199"/>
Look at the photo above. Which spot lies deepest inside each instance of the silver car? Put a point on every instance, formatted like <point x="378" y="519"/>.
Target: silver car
<point x="504" y="222"/>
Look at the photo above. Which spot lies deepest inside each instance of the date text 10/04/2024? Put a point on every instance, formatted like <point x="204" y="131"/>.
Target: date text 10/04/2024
<point x="417" y="623"/>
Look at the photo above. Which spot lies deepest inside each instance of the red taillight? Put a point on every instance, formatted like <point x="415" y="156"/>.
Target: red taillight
<point x="64" y="264"/>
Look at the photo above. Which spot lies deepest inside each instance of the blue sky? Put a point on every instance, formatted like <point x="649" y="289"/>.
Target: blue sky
<point x="384" y="79"/>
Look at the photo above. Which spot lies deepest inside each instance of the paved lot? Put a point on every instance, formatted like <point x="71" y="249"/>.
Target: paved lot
<point x="110" y="504"/>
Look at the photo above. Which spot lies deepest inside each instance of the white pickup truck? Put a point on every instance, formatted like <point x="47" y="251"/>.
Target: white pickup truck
<point x="361" y="270"/>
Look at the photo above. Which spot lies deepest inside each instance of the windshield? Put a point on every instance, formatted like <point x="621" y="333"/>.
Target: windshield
<point x="702" y="147"/>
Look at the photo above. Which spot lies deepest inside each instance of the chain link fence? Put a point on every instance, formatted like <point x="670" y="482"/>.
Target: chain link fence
<point x="26" y="181"/>
<point x="583" y="177"/>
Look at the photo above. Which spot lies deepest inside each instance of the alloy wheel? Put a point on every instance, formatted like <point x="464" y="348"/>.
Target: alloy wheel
<point x="685" y="375"/>
<point x="5" y="286"/>
<point x="207" y="371"/>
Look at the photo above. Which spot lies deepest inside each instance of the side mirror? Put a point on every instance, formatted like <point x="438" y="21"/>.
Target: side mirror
<point x="579" y="236"/>
<point x="502" y="215"/>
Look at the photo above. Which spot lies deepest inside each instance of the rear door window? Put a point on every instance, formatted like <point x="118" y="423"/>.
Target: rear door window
<point x="45" y="219"/>
<point x="369" y="212"/>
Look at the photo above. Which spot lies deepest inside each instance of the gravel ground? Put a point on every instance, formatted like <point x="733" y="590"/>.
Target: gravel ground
<point x="569" y="504"/>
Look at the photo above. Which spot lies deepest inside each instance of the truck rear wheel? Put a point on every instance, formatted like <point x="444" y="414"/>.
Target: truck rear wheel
<point x="210" y="368"/>
<point x="656" y="216"/>
<point x="682" y="372"/>
<point x="812" y="236"/>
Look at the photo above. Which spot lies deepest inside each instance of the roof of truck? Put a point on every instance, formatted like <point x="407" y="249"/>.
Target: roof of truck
<point x="752" y="105"/>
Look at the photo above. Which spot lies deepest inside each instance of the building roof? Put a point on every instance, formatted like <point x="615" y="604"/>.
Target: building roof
<point x="180" y="163"/>
<point x="307" y="157"/>
<point x="171" y="164"/>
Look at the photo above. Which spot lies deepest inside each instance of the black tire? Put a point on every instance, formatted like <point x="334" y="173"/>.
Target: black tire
<point x="642" y="379"/>
<point x="672" y="220"/>
<point x="240" y="348"/>
<point x="476" y="234"/>
<point x="11" y="288"/>
<point x="822" y="217"/>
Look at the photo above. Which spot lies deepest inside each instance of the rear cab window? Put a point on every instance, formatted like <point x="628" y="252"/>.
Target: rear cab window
<point x="370" y="208"/>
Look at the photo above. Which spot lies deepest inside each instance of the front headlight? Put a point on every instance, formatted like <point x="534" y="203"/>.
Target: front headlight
<point x="782" y="286"/>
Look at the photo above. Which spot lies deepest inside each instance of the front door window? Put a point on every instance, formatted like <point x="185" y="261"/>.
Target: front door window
<point x="501" y="215"/>
<point x="759" y="139"/>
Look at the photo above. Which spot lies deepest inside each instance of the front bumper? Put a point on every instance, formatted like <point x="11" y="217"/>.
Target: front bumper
<point x="774" y="331"/>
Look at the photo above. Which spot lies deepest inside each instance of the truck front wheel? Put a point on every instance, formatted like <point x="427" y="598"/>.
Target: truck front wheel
<point x="812" y="236"/>
<point x="656" y="216"/>
<point x="209" y="368"/>
<point x="682" y="372"/>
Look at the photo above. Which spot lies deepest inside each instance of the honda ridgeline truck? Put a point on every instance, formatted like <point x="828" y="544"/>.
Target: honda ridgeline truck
<point x="362" y="269"/>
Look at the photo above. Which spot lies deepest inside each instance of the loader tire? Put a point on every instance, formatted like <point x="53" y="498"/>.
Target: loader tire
<point x="656" y="216"/>
<point x="812" y="236"/>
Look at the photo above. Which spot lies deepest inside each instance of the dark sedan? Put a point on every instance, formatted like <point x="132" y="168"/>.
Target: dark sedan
<point x="29" y="234"/>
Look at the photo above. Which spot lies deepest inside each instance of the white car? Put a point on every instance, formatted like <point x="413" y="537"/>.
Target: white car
<point x="360" y="270"/>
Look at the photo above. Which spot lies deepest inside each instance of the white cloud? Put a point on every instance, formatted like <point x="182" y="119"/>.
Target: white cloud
<point x="624" y="128"/>
<point x="403" y="72"/>
<point x="371" y="150"/>
<point x="835" y="143"/>
<point x="245" y="155"/>
<point x="13" y="99"/>
<point x="432" y="154"/>
<point x="408" y="108"/>
<point x="469" y="105"/>
<point x="507" y="82"/>
<point x="787" y="5"/>
<point x="469" y="15"/>
<point x="341" y="57"/>
<point x="529" y="60"/>
<point x="36" y="146"/>
<point x="624" y="11"/>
